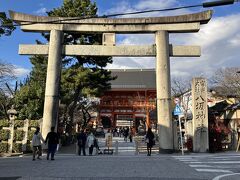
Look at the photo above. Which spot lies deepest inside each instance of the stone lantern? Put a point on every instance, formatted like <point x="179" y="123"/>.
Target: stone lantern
<point x="12" y="116"/>
<point x="12" y="113"/>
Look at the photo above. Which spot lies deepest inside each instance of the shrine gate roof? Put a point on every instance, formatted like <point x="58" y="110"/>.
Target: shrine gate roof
<point x="130" y="79"/>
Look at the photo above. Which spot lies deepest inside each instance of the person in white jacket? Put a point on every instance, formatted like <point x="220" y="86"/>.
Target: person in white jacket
<point x="37" y="141"/>
<point x="90" y="143"/>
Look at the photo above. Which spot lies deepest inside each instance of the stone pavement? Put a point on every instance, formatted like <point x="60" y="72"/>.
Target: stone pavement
<point x="125" y="165"/>
<point x="95" y="167"/>
<point x="129" y="167"/>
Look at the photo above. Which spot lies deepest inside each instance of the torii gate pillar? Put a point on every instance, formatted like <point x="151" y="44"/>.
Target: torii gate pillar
<point x="163" y="83"/>
<point x="51" y="102"/>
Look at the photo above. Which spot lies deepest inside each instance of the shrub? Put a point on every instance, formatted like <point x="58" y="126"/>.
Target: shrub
<point x="4" y="134"/>
<point x="30" y="134"/>
<point x="18" y="123"/>
<point x="17" y="147"/>
<point x="29" y="147"/>
<point x="4" y="123"/>
<point x="33" y="123"/>
<point x="18" y="135"/>
<point x="3" y="147"/>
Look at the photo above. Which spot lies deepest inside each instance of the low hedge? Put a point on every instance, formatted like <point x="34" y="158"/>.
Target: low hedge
<point x="3" y="147"/>
<point x="17" y="147"/>
<point x="18" y="123"/>
<point x="30" y="134"/>
<point x="18" y="135"/>
<point x="29" y="147"/>
<point x="4" y="123"/>
<point x="33" y="123"/>
<point x="4" y="134"/>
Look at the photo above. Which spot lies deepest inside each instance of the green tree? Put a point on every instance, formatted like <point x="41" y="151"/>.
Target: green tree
<point x="6" y="26"/>
<point x="29" y="98"/>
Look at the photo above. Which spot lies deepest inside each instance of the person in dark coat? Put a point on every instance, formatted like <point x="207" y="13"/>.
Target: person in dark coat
<point x="125" y="133"/>
<point x="212" y="139"/>
<point x="150" y="141"/>
<point x="53" y="140"/>
<point x="81" y="139"/>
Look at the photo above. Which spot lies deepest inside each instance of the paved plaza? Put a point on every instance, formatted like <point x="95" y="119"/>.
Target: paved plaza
<point x="125" y="165"/>
<point x="169" y="167"/>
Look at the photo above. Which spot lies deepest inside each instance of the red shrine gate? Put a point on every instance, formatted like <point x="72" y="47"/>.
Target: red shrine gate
<point x="128" y="108"/>
<point x="132" y="99"/>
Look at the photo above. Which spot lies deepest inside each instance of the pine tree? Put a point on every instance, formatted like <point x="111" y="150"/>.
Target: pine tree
<point x="6" y="26"/>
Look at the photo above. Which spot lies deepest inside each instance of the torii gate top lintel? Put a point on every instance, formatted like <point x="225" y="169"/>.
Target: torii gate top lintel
<point x="202" y="17"/>
<point x="172" y="24"/>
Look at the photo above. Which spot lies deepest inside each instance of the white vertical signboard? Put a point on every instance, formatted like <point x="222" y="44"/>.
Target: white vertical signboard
<point x="200" y="115"/>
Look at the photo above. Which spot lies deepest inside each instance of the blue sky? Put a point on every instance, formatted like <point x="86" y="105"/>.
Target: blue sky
<point x="219" y="39"/>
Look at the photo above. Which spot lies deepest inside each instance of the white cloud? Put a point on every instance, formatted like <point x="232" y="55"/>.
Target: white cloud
<point x="41" y="11"/>
<point x="132" y="63"/>
<point x="236" y="41"/>
<point x="122" y="6"/>
<point x="142" y="5"/>
<point x="152" y="4"/>
<point x="219" y="41"/>
<point x="136" y="39"/>
<point x="20" y="72"/>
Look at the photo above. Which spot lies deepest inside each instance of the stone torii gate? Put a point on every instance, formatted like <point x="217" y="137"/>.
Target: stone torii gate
<point x="162" y="50"/>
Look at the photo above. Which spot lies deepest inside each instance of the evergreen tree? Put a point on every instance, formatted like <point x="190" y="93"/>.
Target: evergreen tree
<point x="29" y="99"/>
<point x="6" y="26"/>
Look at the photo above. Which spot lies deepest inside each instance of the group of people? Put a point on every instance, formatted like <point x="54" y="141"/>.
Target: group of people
<point x="89" y="140"/>
<point x="52" y="140"/>
<point x="125" y="132"/>
<point x="83" y="140"/>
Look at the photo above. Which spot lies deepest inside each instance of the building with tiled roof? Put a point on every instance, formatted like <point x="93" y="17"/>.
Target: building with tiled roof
<point x="131" y="98"/>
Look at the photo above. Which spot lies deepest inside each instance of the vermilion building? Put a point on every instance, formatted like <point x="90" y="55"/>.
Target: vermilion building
<point x="132" y="99"/>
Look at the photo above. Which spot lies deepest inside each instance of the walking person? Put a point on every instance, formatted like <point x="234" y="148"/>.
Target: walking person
<point x="53" y="140"/>
<point x="125" y="133"/>
<point x="212" y="138"/>
<point x="81" y="139"/>
<point x="37" y="144"/>
<point x="149" y="139"/>
<point x="108" y="138"/>
<point x="96" y="145"/>
<point x="90" y="143"/>
<point x="131" y="134"/>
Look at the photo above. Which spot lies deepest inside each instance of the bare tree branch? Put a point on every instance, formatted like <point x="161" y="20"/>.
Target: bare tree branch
<point x="180" y="86"/>
<point x="6" y="73"/>
<point x="226" y="82"/>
